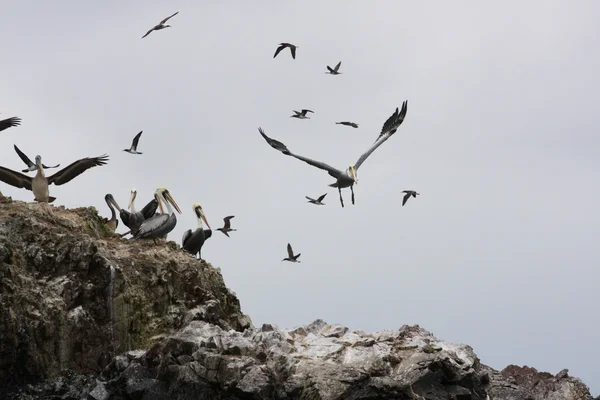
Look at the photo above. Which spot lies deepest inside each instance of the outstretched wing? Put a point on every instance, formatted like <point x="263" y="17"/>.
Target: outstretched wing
<point x="320" y="199"/>
<point x="304" y="111"/>
<point x="227" y="222"/>
<point x="136" y="139"/>
<point x="389" y="128"/>
<point x="23" y="157"/>
<point x="310" y="199"/>
<point x="406" y="196"/>
<point x="164" y="21"/>
<point x="147" y="33"/>
<point x="337" y="67"/>
<point x="150" y="209"/>
<point x="9" y="123"/>
<point x="290" y="251"/>
<point x="75" y="169"/>
<point x="15" y="178"/>
<point x="293" y="50"/>
<point x="279" y="50"/>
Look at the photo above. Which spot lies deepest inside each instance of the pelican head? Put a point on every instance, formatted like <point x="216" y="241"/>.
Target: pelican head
<point x="164" y="193"/>
<point x="111" y="200"/>
<point x="200" y="213"/>
<point x="132" y="198"/>
<point x="38" y="160"/>
<point x="352" y="172"/>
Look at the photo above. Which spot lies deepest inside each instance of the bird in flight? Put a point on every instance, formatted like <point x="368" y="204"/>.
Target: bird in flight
<point x="227" y="226"/>
<point x="318" y="201"/>
<point x="334" y="71"/>
<point x="408" y="194"/>
<point x="291" y="257"/>
<point x="30" y="164"/>
<point x="134" y="144"/>
<point x="283" y="46"/>
<point x="9" y="123"/>
<point x="352" y="124"/>
<point x="301" y="114"/>
<point x="161" y="25"/>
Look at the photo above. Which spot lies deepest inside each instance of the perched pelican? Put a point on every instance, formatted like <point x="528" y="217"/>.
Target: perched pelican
<point x="301" y="114"/>
<point x="335" y="70"/>
<point x="39" y="183"/>
<point x="193" y="242"/>
<point x="291" y="257"/>
<point x="161" y="25"/>
<point x="283" y="46"/>
<point x="227" y="226"/>
<point x="113" y="222"/>
<point x="9" y="123"/>
<point x="162" y="224"/>
<point x="352" y="124"/>
<point x="30" y="165"/>
<point x="346" y="178"/>
<point x="134" y="144"/>
<point x="317" y="201"/>
<point x="407" y="195"/>
<point x="133" y="220"/>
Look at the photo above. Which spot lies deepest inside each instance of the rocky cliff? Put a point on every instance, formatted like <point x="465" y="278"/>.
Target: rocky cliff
<point x="85" y="314"/>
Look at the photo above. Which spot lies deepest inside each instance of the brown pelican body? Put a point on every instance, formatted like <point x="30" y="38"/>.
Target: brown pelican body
<point x="352" y="124"/>
<point x="407" y="195"/>
<point x="9" y="123"/>
<point x="113" y="223"/>
<point x="283" y="46"/>
<point x="334" y="71"/>
<point x="291" y="257"/>
<point x="30" y="164"/>
<point x="318" y="201"/>
<point x="193" y="242"/>
<point x="161" y="25"/>
<point x="301" y="114"/>
<point x="161" y="224"/>
<point x="227" y="226"/>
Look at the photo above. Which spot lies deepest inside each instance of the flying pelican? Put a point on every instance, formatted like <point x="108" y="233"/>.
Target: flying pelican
<point x="113" y="222"/>
<point x="39" y="183"/>
<point x="335" y="70"/>
<point x="408" y="194"/>
<point x="227" y="226"/>
<point x="9" y="123"/>
<point x="346" y="178"/>
<point x="283" y="46"/>
<point x="31" y="166"/>
<point x="317" y="201"/>
<point x="133" y="220"/>
<point x="161" y="25"/>
<point x="301" y="114"/>
<point x="193" y="242"/>
<point x="291" y="257"/>
<point x="134" y="144"/>
<point x="352" y="124"/>
<point x="162" y="224"/>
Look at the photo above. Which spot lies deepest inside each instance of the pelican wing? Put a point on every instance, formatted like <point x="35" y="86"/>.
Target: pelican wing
<point x="150" y="225"/>
<point x="389" y="128"/>
<point x="9" y="123"/>
<point x="290" y="251"/>
<point x="14" y="178"/>
<point x="23" y="157"/>
<point x="75" y="169"/>
<point x="186" y="236"/>
<point x="150" y="209"/>
<point x="164" y="21"/>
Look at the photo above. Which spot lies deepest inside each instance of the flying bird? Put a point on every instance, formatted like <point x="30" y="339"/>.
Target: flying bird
<point x="283" y="46"/>
<point x="301" y="114"/>
<point x="227" y="226"/>
<point x="352" y="124"/>
<point x="335" y="70"/>
<point x="193" y="242"/>
<point x="317" y="201"/>
<point x="134" y="144"/>
<point x="161" y="224"/>
<point x="348" y="177"/>
<point x="9" y="123"/>
<point x="39" y="183"/>
<point x="133" y="219"/>
<point x="408" y="194"/>
<point x="113" y="223"/>
<point x="30" y="165"/>
<point x="161" y="25"/>
<point x="291" y="257"/>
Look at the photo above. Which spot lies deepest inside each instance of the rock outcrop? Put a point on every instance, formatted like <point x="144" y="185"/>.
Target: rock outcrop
<point x="87" y="315"/>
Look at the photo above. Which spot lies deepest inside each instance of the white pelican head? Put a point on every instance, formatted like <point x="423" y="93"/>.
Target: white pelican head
<point x="200" y="214"/>
<point x="163" y="194"/>
<point x="352" y="173"/>
<point x="132" y="198"/>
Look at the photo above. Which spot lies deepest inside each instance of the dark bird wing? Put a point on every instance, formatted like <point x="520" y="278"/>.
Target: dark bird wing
<point x="281" y="47"/>
<point x="277" y="145"/>
<point x="150" y="209"/>
<point x="304" y="111"/>
<point x="308" y="198"/>
<point x="14" y="178"/>
<point x="406" y="196"/>
<point x="164" y="21"/>
<point x="320" y="199"/>
<point x="337" y="67"/>
<point x="290" y="251"/>
<point x="389" y="128"/>
<point x="293" y="50"/>
<point x="136" y="140"/>
<point x="75" y="169"/>
<point x="186" y="236"/>
<point x="329" y="68"/>
<point x="9" y="123"/>
<point x="227" y="222"/>
<point x="23" y="157"/>
<point x="147" y="33"/>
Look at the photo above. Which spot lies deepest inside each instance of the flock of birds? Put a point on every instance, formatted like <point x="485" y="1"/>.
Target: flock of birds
<point x="149" y="223"/>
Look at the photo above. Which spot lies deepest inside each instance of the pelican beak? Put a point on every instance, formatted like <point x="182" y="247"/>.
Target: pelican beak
<point x="160" y="205"/>
<point x="204" y="218"/>
<point x="114" y="203"/>
<point x="171" y="200"/>
<point x="131" y="199"/>
<point x="353" y="173"/>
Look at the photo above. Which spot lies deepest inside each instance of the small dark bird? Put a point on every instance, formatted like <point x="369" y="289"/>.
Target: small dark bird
<point x="317" y="201"/>
<point x="301" y="114"/>
<point x="134" y="144"/>
<point x="227" y="226"/>
<point x="335" y="70"/>
<point x="30" y="164"/>
<point x="352" y="124"/>
<point x="407" y="195"/>
<point x="161" y="25"/>
<point x="291" y="257"/>
<point x="283" y="46"/>
<point x="9" y="123"/>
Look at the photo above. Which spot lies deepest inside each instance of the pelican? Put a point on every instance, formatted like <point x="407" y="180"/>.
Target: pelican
<point x="283" y="46"/>
<point x="317" y="201"/>
<point x="161" y="25"/>
<point x="227" y="226"/>
<point x="408" y="194"/>
<point x="162" y="224"/>
<point x="134" y="219"/>
<point x="334" y="71"/>
<point x="352" y="124"/>
<point x="39" y="183"/>
<point x="301" y="114"/>
<point x="9" y="123"/>
<point x="291" y="257"/>
<point x="193" y="242"/>
<point x="113" y="222"/>
<point x="134" y="144"/>
<point x="348" y="177"/>
<point x="30" y="165"/>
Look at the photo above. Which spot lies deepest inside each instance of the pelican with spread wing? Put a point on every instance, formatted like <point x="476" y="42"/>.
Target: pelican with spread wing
<point x="160" y="224"/>
<point x="348" y="177"/>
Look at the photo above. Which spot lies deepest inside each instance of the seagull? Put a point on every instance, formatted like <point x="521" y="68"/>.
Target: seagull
<point x="227" y="226"/>
<point x="335" y="70"/>
<point x="283" y="46"/>
<point x="352" y="124"/>
<point x="291" y="257"/>
<point x="301" y="114"/>
<point x="317" y="201"/>
<point x="161" y="25"/>
<point x="134" y="144"/>
<point x="30" y="164"/>
<point x="407" y="195"/>
<point x="9" y="123"/>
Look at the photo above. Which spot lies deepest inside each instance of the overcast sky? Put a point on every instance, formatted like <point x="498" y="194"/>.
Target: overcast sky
<point x="500" y="250"/>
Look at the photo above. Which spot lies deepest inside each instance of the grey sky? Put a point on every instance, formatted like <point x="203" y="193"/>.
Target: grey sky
<point x="499" y="251"/>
